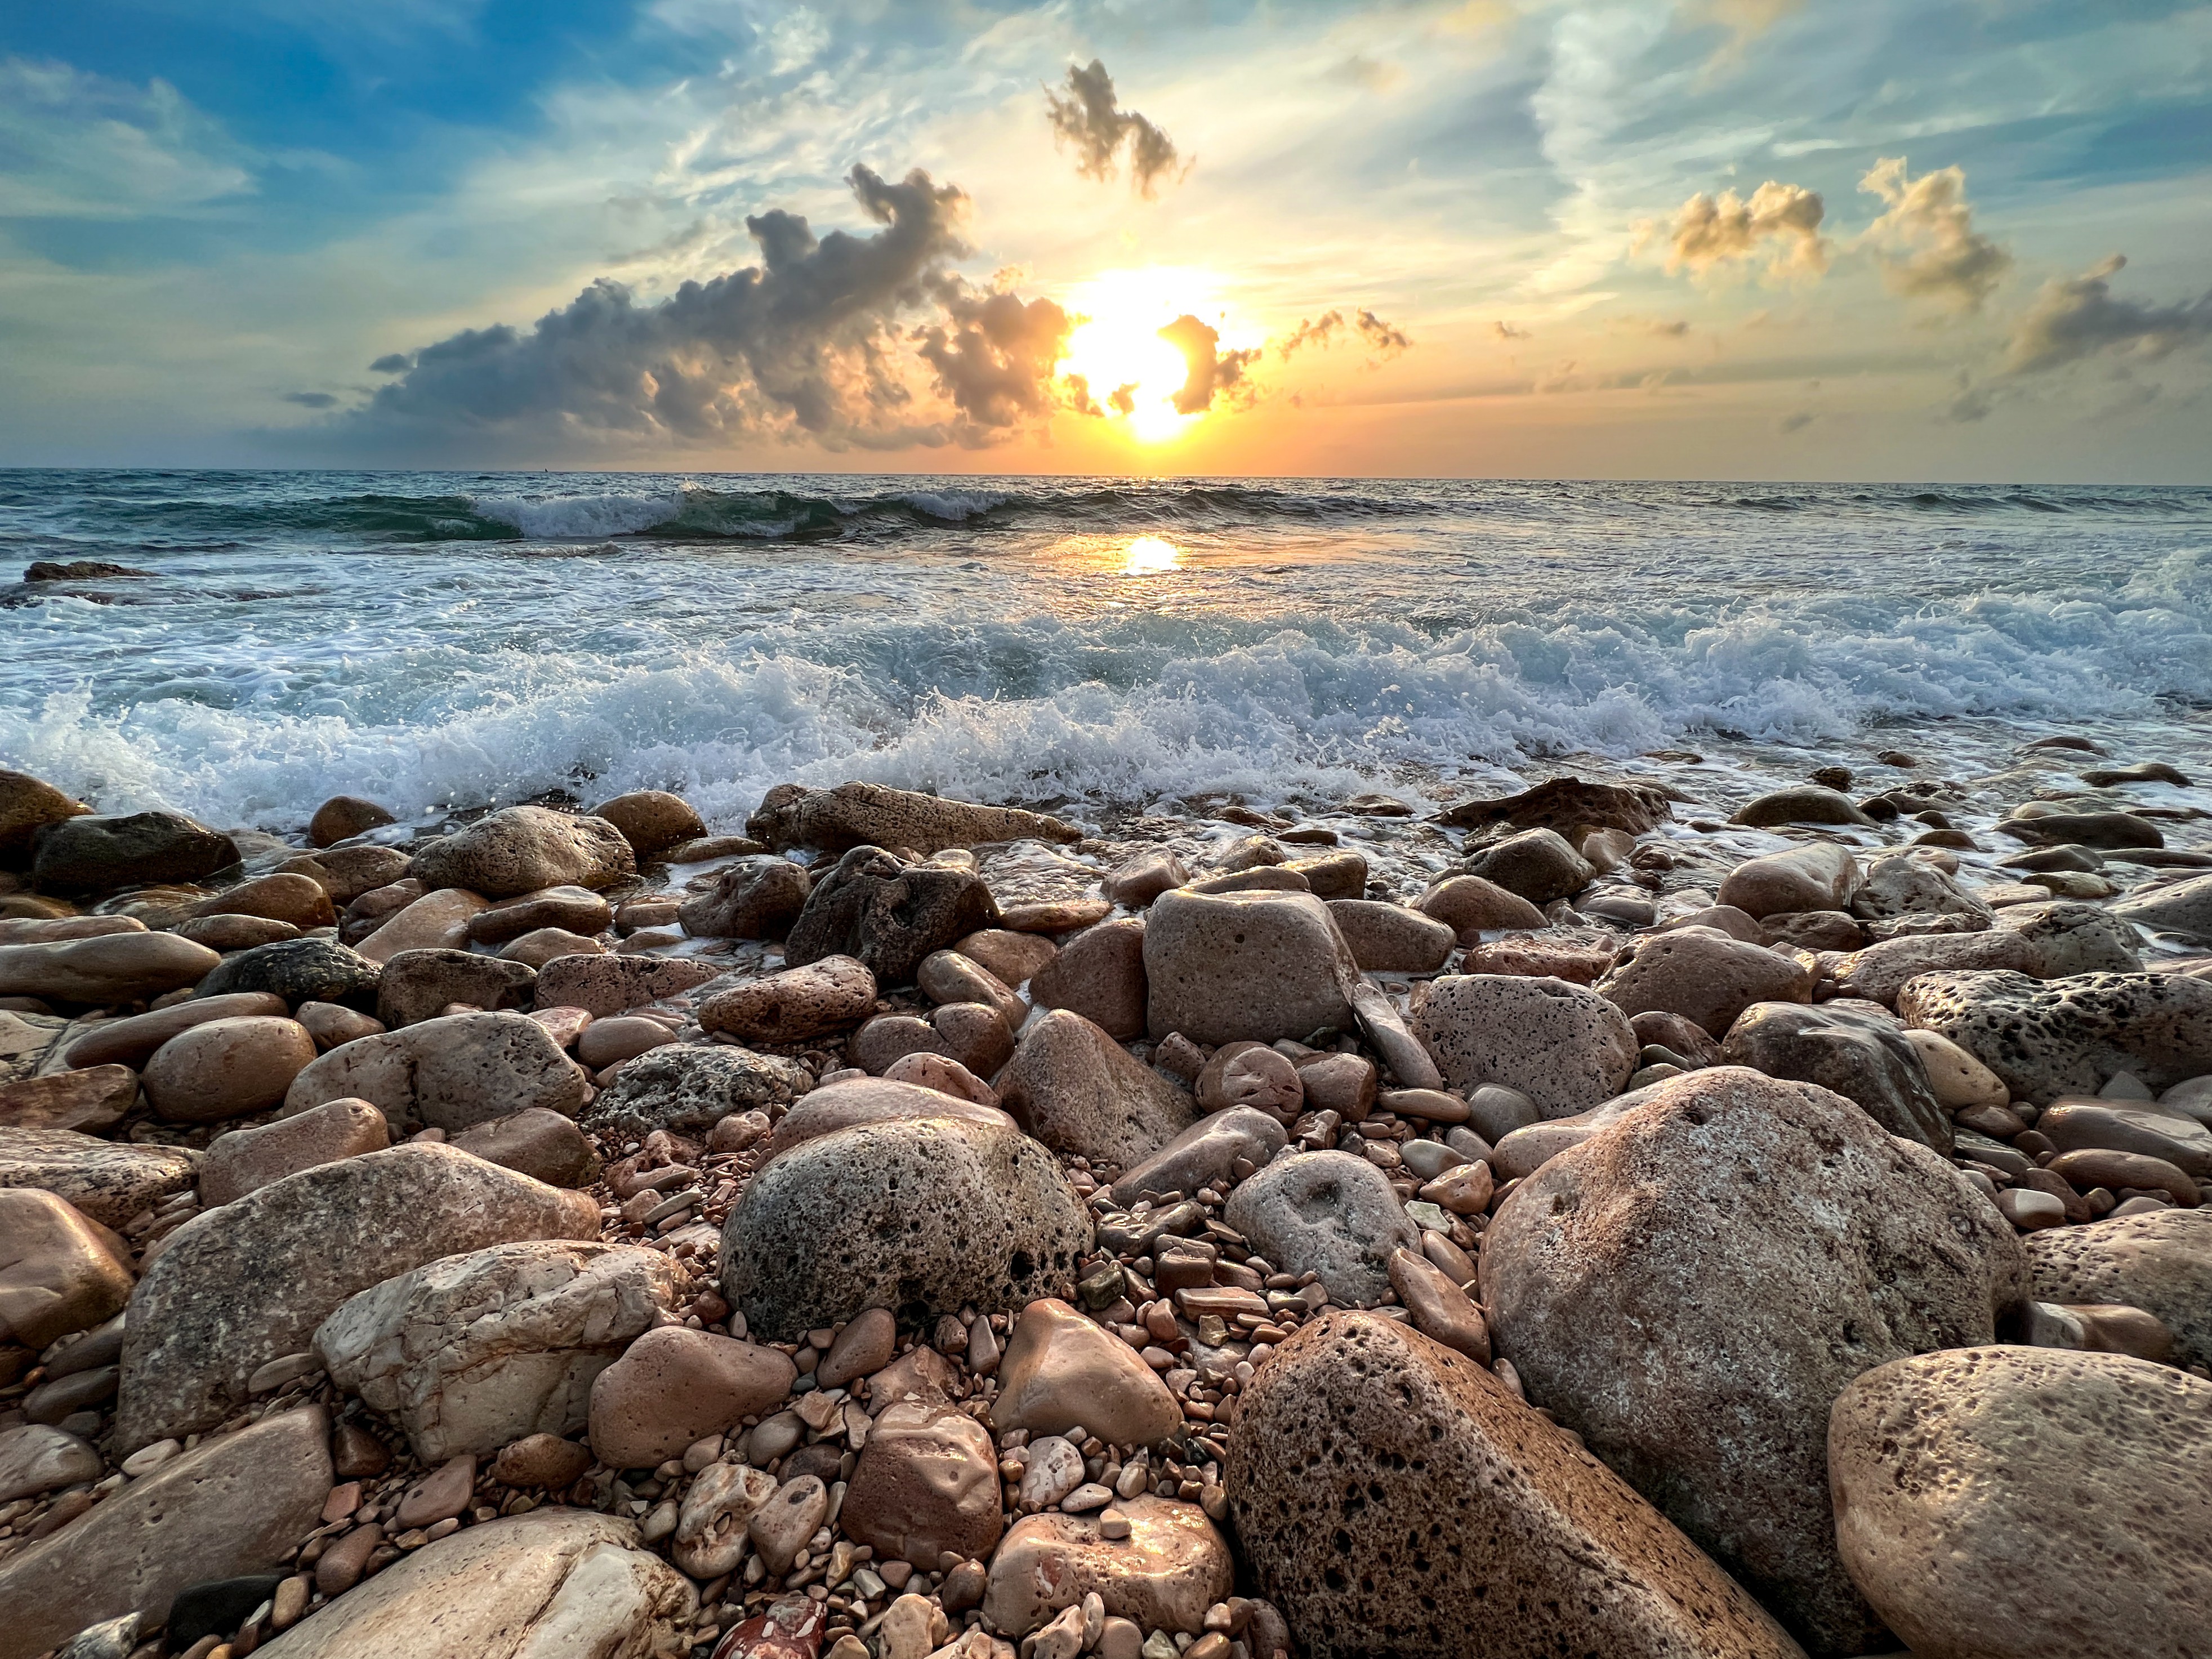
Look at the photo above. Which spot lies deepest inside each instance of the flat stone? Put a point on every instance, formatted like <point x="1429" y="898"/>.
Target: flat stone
<point x="234" y="932"/>
<point x="281" y="897"/>
<point x="1203" y="1153"/>
<point x="926" y="1484"/>
<point x="753" y="898"/>
<point x="448" y="1072"/>
<point x="572" y="909"/>
<point x="888" y="913"/>
<point x="688" y="1088"/>
<point x="241" y="1160"/>
<point x="1328" y="1214"/>
<point x="2182" y="909"/>
<point x="2161" y="1262"/>
<point x="606" y="985"/>
<point x="1880" y="971"/>
<point x="1173" y="1565"/>
<point x="1061" y="1369"/>
<point x="2064" y="1037"/>
<point x="96" y="1098"/>
<point x="674" y="1387"/>
<point x="2110" y="831"/>
<point x="1704" y="977"/>
<point x="1078" y="1090"/>
<point x="2072" y="1125"/>
<point x="1564" y="1046"/>
<point x="521" y="849"/>
<point x="109" y="968"/>
<point x="866" y="814"/>
<point x="1261" y="966"/>
<point x="108" y="1182"/>
<point x="438" y="920"/>
<point x="791" y="1006"/>
<point x="36" y="1458"/>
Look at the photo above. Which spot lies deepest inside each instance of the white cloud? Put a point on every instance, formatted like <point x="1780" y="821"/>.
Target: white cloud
<point x="1926" y="242"/>
<point x="80" y="146"/>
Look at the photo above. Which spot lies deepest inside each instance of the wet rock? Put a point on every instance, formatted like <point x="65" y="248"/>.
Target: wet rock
<point x="1977" y="1493"/>
<point x="1542" y="1547"/>
<point x="347" y="873"/>
<point x="690" y="1089"/>
<point x="1327" y="1213"/>
<point x="2072" y="1125"/>
<point x="1079" y="1091"/>
<point x="882" y="1043"/>
<point x="226" y="1068"/>
<point x="59" y="1272"/>
<point x="1803" y="803"/>
<point x="753" y="898"/>
<point x="1100" y="975"/>
<point x="1441" y="1310"/>
<point x="1392" y="939"/>
<point x="2184" y="909"/>
<point x="866" y="814"/>
<point x="606" y="985"/>
<point x="1173" y="1565"/>
<point x="572" y="909"/>
<point x="607" y="1043"/>
<point x="1012" y="958"/>
<point x="1144" y="877"/>
<point x="1684" y="1037"/>
<point x="241" y="1160"/>
<point x="1821" y="877"/>
<point x="674" y="1387"/>
<point x="1061" y="1369"/>
<point x="1333" y="876"/>
<point x="1564" y="1047"/>
<point x="1900" y="884"/>
<point x="926" y="1484"/>
<point x="98" y="853"/>
<point x="438" y="920"/>
<point x="418" y="985"/>
<point x="927" y="1216"/>
<point x="1537" y="864"/>
<point x="95" y="1097"/>
<point x="2071" y="939"/>
<point x="28" y="805"/>
<point x="2108" y="831"/>
<point x="1705" y="977"/>
<point x="1569" y="805"/>
<point x="298" y="970"/>
<point x="861" y="1101"/>
<point x="540" y="1144"/>
<point x="109" y="968"/>
<point x="107" y="1182"/>
<point x="343" y="816"/>
<point x="888" y="913"/>
<point x="946" y="977"/>
<point x="37" y="1458"/>
<point x="521" y="849"/>
<point x="541" y="1461"/>
<point x="652" y="821"/>
<point x="1813" y="930"/>
<point x="1864" y="1059"/>
<point x="2064" y="1037"/>
<point x="1469" y="905"/>
<point x="1724" y="1424"/>
<point x="1256" y="965"/>
<point x="241" y="1285"/>
<point x="2161" y="1262"/>
<point x="283" y="896"/>
<point x="1880" y="971"/>
<point x="448" y="1072"/>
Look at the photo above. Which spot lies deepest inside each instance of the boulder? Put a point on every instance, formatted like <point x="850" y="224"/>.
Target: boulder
<point x="2182" y="909"/>
<point x="1537" y="864"/>
<point x="1899" y="884"/>
<point x="298" y="970"/>
<point x="1569" y="805"/>
<point x="2071" y="938"/>
<point x="1079" y="1091"/>
<point x="1614" y="1280"/>
<point x="1346" y="1441"/>
<point x="2047" y="1038"/>
<point x="107" y="1181"/>
<point x="1469" y="905"/>
<point x="343" y="816"/>
<point x="1864" y="1058"/>
<point x="1259" y="965"/>
<point x="753" y="898"/>
<point x="283" y="896"/>
<point x="793" y="1005"/>
<point x="28" y="805"/>
<point x="1100" y="975"/>
<point x="1173" y="1565"/>
<point x="59" y="1272"/>
<point x="418" y="985"/>
<point x="888" y="913"/>
<point x="652" y="821"/>
<point x="95" y="1097"/>
<point x="575" y="910"/>
<point x="521" y="849"/>
<point x="226" y="1068"/>
<point x="1206" y="1151"/>
<point x="99" y="853"/>
<point x="1800" y="803"/>
<point x="859" y="1101"/>
<point x="237" y="1288"/>
<point x="2008" y="1502"/>
<point x="674" y="1387"/>
<point x="347" y="873"/>
<point x="2159" y="1261"/>
<point x="540" y="1144"/>
<point x="242" y="1160"/>
<point x="1061" y="1369"/>
<point x="553" y="1582"/>
<point x="108" y="968"/>
<point x="1564" y="1047"/>
<point x="1392" y="939"/>
<point x="927" y="1484"/>
<point x="448" y="1072"/>
<point x="869" y="815"/>
<point x="1327" y="1213"/>
<point x="606" y="984"/>
<point x="235" y="1505"/>
<point x="472" y="1352"/>
<point x="1703" y="975"/>
<point x="36" y="1458"/>
<point x="1819" y="877"/>
<point x="1880" y="971"/>
<point x="691" y="1089"/>
<point x="437" y="920"/>
<point x="926" y="1216"/>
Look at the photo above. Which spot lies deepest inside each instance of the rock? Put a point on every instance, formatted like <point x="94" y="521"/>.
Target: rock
<point x="711" y="1528"/>
<point x="405" y="917"/>
<point x="298" y="970"/>
<point x="576" y="910"/>
<point x="652" y="821"/>
<point x="1441" y="1310"/>
<point x="418" y="985"/>
<point x="928" y="1215"/>
<point x="237" y="1503"/>
<point x="2184" y="909"/>
<point x="1900" y="884"/>
<point x="1469" y="905"/>
<point x="2108" y="831"/>
<point x="860" y="1101"/>
<point x="1203" y="1153"/>
<point x="791" y="1006"/>
<point x="110" y="969"/>
<point x="447" y="1073"/>
<point x="888" y="913"/>
<point x="242" y="1160"/>
<point x="234" y="932"/>
<point x="1569" y="805"/>
<point x="1880" y="971"/>
<point x="1100" y="975"/>
<point x="2072" y="1125"/>
<point x="521" y="849"/>
<point x="1011" y="958"/>
<point x="243" y="1285"/>
<point x="1537" y="864"/>
<point x="132" y="1041"/>
<point x="96" y="1098"/>
<point x="2072" y="939"/>
<point x="1163" y="1575"/>
<point x="2161" y="1262"/>
<point x="946" y="977"/>
<point x="608" y="985"/>
<point x="1061" y="1369"/>
<point x="607" y="1043"/>
<point x="540" y="1144"/>
<point x="1338" y="875"/>
<point x="474" y="1351"/>
<point x="37" y="1458"/>
<point x="343" y="816"/>
<point x="1564" y="1047"/>
<point x="692" y="1089"/>
<point x="543" y="947"/>
<point x="1256" y="965"/>
<point x="99" y="853"/>
<point x="1079" y="1091"/>
<point x="1723" y="1426"/>
<point x="868" y="814"/>
<point x="542" y="1461"/>
<point x="1327" y="1213"/>
<point x="283" y="896"/>
<point x="1386" y="1033"/>
<point x="1245" y="1074"/>
<point x="1705" y="977"/>
<point x="1864" y="1059"/>
<point x="2064" y="1037"/>
<point x="59" y="1272"/>
<point x="1392" y="939"/>
<point x="553" y="1582"/>
<point x="927" y="1484"/>
<point x="347" y="873"/>
<point x="1803" y="803"/>
<point x="882" y="1043"/>
<point x="1541" y="1546"/>
<point x="674" y="1387"/>
<point x="1343" y="1083"/>
<point x="1141" y="879"/>
<point x="226" y="1068"/>
<point x="865" y="1346"/>
<point x="1819" y="877"/>
<point x="1812" y="930"/>
<point x="106" y="1181"/>
<point x="1955" y="1077"/>
<point x="28" y="805"/>
<point x="1977" y="1491"/>
<point x="753" y="898"/>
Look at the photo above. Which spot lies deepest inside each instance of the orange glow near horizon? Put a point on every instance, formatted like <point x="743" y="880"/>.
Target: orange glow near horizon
<point x="1116" y="349"/>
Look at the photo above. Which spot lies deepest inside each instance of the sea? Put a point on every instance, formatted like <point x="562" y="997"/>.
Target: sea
<point x="438" y="640"/>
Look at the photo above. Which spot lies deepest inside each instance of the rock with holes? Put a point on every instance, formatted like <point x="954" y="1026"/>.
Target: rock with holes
<point x="652" y="820"/>
<point x="447" y="1073"/>
<point x="1862" y="1057"/>
<point x="923" y="1216"/>
<point x="692" y="1088"/>
<point x="2161" y="1261"/>
<point x="2064" y="1037"/>
<point x="888" y="913"/>
<point x="1171" y="1567"/>
<point x="1327" y="1213"/>
<point x="753" y="898"/>
<point x="603" y="986"/>
<point x="791" y="1006"/>
<point x="1786" y="1243"/>
<point x="1564" y="1045"/>
<point x="417" y="984"/>
<point x="2071" y="938"/>
<point x="1074" y="1088"/>
<point x="1258" y="965"/>
<point x="521" y="849"/>
<point x="1900" y="884"/>
<point x="868" y="814"/>
<point x="1345" y="1440"/>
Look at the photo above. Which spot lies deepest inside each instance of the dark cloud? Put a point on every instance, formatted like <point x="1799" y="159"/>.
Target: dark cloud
<point x="1782" y="221"/>
<point x="2076" y="317"/>
<point x="393" y="363"/>
<point x="995" y="358"/>
<point x="1505" y="330"/>
<point x="1385" y="338"/>
<point x="1318" y="332"/>
<point x="1928" y="245"/>
<point x="1796" y="421"/>
<point x="312" y="399"/>
<point x="1212" y="373"/>
<point x="1326" y="330"/>
<point x="1089" y="121"/>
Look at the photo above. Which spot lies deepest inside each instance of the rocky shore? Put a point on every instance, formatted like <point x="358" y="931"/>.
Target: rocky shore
<point x="1612" y="1219"/>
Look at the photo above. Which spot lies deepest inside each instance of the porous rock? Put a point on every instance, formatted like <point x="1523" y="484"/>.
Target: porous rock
<point x="298" y="970"/>
<point x="1392" y="939"/>
<point x="692" y="1088"/>
<point x="888" y="913"/>
<point x="417" y="984"/>
<point x="108" y="1181"/>
<point x="1564" y="1045"/>
<point x="753" y="898"/>
<point x="606" y="984"/>
<point x="868" y="814"/>
<point x="519" y="849"/>
<point x="448" y="1072"/>
<point x="1075" y="1089"/>
<point x="1100" y="975"/>
<point x="1327" y="1213"/>
<point x="791" y="1006"/>
<point x="1257" y="965"/>
<point x="1567" y="804"/>
<point x="2063" y="1037"/>
<point x="1862" y="1057"/>
<point x="2159" y="1261"/>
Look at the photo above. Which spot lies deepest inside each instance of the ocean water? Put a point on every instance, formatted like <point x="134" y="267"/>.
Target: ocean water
<point x="438" y="639"/>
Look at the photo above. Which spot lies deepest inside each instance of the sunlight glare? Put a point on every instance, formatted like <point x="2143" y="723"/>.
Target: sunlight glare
<point x="1129" y="370"/>
<point x="1151" y="555"/>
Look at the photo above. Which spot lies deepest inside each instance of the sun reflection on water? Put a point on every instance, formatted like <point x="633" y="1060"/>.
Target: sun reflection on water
<point x="1149" y="554"/>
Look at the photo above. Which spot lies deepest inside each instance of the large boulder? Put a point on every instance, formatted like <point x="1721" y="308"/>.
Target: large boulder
<point x="2072" y="938"/>
<point x="27" y="805"/>
<point x="2159" y="1261"/>
<point x="553" y="1582"/>
<point x="1704" y="975"/>
<point x="1259" y="965"/>
<point x="1393" y="1496"/>
<point x="110" y="968"/>
<point x="1880" y="971"/>
<point x="99" y="853"/>
<point x="692" y="1088"/>
<point x="110" y="1182"/>
<point x="869" y="815"/>
<point x="59" y="1272"/>
<point x="1078" y="1090"/>
<point x="921" y="1216"/>
<point x="521" y="849"/>
<point x="2005" y="1503"/>
<point x="236" y="1504"/>
<point x="1614" y="1280"/>
<point x="753" y="898"/>
<point x="236" y="1287"/>
<point x="1326" y="1213"/>
<point x="797" y="1004"/>
<point x="888" y="913"/>
<point x="652" y="820"/>
<point x="1864" y="1058"/>
<point x="2064" y="1037"/>
<point x="472" y="1352"/>
<point x="2184" y="909"/>
<point x="1821" y="877"/>
<point x="298" y="970"/>
<point x="1564" y="1045"/>
<point x="447" y="1073"/>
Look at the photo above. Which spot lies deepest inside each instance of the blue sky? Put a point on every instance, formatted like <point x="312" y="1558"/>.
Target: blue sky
<point x="1719" y="237"/>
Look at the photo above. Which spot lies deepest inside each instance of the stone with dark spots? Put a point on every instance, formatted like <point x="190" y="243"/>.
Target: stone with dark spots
<point x="1565" y="805"/>
<point x="691" y="1088"/>
<point x="856" y="815"/>
<point x="418" y="985"/>
<point x="2046" y="1038"/>
<point x="753" y="898"/>
<point x="888" y="913"/>
<point x="298" y="970"/>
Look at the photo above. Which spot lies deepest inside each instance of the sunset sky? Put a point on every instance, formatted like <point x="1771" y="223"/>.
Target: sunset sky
<point x="1812" y="239"/>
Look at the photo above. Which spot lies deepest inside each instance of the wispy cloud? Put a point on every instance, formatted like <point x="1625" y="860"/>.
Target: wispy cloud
<point x="1090" y="121"/>
<point x="2076" y="317"/>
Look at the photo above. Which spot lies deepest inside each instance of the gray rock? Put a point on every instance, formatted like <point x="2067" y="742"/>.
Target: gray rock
<point x="1258" y="965"/>
<point x="98" y="853"/>
<point x="448" y="1072"/>
<point x="1865" y="1059"/>
<point x="1802" y="803"/>
<point x="1899" y="884"/>
<point x="1564" y="1045"/>
<point x="2072" y="938"/>
<point x="1328" y="1214"/>
<point x="1079" y="1092"/>
<point x="1537" y="864"/>
<point x="1204" y="1152"/>
<point x="236" y="1287"/>
<point x="298" y="970"/>
<point x="111" y="1638"/>
<point x="2184" y="909"/>
<point x="603" y="986"/>
<point x="2065" y="1037"/>
<point x="888" y="913"/>
<point x="2161" y="1262"/>
<point x="1880" y="971"/>
<point x="572" y="909"/>
<point x="692" y="1088"/>
<point x="869" y="815"/>
<point x="417" y="984"/>
<point x="108" y="1181"/>
<point x="753" y="898"/>
<point x="921" y="1217"/>
<point x="1704" y="976"/>
<point x="38" y="1457"/>
<point x="540" y="1144"/>
<point x="521" y="849"/>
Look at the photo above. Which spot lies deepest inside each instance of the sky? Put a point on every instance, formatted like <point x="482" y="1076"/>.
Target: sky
<point x="1721" y="239"/>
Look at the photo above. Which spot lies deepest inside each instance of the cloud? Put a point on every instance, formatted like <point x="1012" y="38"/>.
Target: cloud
<point x="1796" y="421"/>
<point x="1926" y="241"/>
<point x="1505" y="330"/>
<point x="312" y="399"/>
<point x="1370" y="74"/>
<point x="1711" y="233"/>
<point x="2076" y="317"/>
<point x="1387" y="339"/>
<point x="1211" y="372"/>
<point x="1090" y="121"/>
<point x="1744" y="20"/>
<point x="79" y="146"/>
<point x="995" y="359"/>
<point x="1320" y="332"/>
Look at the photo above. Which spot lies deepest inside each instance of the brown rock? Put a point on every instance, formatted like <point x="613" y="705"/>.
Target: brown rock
<point x="26" y="806"/>
<point x="1139" y="880"/>
<point x="1163" y="1575"/>
<point x="343" y="816"/>
<point x="863" y="1347"/>
<point x="945" y="1076"/>
<point x="96" y="1098"/>
<point x="1075" y="1089"/>
<point x="1392" y="939"/>
<point x="871" y="1100"/>
<point x="227" y="1067"/>
<point x="1469" y="905"/>
<point x="438" y="920"/>
<point x="107" y="1181"/>
<point x="1538" y="865"/>
<point x="1565" y="1047"/>
<point x="674" y="1387"/>
<point x="1702" y="977"/>
<point x="544" y="945"/>
<point x="606" y="985"/>
<point x="332" y="1025"/>
<point x="347" y="873"/>
<point x="1526" y="957"/>
<point x="541" y="1461"/>
<point x="1684" y="1037"/>
<point x="1343" y="1083"/>
<point x="889" y="913"/>
<point x="866" y="814"/>
<point x="1257" y="965"/>
<point x="946" y="976"/>
<point x="280" y="897"/>
<point x="1251" y="1075"/>
<point x="1880" y="971"/>
<point x="1567" y="804"/>
<point x="1440" y="1309"/>
<point x="241" y="1160"/>
<point x="1100" y="975"/>
<point x="100" y="854"/>
<point x="447" y="1073"/>
<point x="975" y="1035"/>
<point x="753" y="898"/>
<point x="607" y="1042"/>
<point x="927" y="1484"/>
<point x="1011" y="958"/>
<point x="652" y="821"/>
<point x="1333" y="876"/>
<point x="791" y="1006"/>
<point x="1061" y="1369"/>
<point x="2161" y="1262"/>
<point x="110" y="969"/>
<point x="576" y="910"/>
<point x="540" y="1144"/>
<point x="59" y="1272"/>
<point x="229" y="933"/>
<point x="1819" y="877"/>
<point x="521" y="849"/>
<point x="2119" y="1170"/>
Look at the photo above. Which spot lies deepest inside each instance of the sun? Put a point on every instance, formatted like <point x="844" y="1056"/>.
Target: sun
<point x="1127" y="368"/>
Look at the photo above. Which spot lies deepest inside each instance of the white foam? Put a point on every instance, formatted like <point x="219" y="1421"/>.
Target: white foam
<point x="582" y="518"/>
